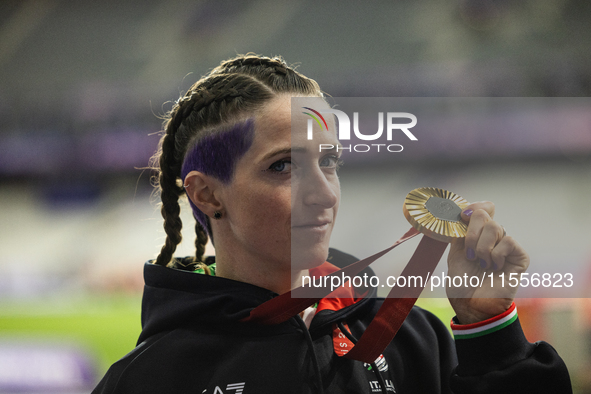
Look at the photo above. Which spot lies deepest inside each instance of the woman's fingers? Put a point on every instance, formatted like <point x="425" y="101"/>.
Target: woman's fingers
<point x="487" y="206"/>
<point x="477" y="221"/>
<point x="486" y="243"/>
<point x="509" y="251"/>
<point x="483" y="235"/>
<point x="490" y="237"/>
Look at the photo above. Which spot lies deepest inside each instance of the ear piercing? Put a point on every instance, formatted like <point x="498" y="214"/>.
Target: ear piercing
<point x="217" y="215"/>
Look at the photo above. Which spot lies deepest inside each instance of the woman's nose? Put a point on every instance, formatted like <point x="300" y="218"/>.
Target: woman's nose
<point x="321" y="189"/>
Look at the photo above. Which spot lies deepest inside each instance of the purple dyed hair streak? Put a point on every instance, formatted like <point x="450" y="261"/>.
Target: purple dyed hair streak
<point x="216" y="155"/>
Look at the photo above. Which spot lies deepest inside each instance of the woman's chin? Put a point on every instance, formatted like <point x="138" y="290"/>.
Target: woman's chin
<point x="308" y="258"/>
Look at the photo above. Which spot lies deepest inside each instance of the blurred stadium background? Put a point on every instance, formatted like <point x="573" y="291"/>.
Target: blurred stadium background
<point x="82" y="87"/>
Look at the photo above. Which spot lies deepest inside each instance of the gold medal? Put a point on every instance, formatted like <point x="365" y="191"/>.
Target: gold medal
<point x="436" y="213"/>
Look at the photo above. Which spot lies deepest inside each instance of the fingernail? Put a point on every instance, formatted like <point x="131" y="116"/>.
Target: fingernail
<point x="470" y="254"/>
<point x="482" y="263"/>
<point x="468" y="212"/>
<point x="495" y="266"/>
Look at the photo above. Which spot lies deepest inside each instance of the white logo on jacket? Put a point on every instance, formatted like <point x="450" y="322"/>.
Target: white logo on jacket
<point x="375" y="387"/>
<point x="238" y="388"/>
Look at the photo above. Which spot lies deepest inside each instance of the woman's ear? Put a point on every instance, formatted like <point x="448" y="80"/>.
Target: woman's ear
<point x="201" y="190"/>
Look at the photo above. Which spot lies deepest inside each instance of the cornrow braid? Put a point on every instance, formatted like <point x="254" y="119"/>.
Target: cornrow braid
<point x="170" y="193"/>
<point x="200" y="242"/>
<point x="265" y="65"/>
<point x="230" y="92"/>
<point x="273" y="72"/>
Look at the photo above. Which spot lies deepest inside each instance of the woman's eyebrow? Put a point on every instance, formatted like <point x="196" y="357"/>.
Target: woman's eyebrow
<point x="284" y="151"/>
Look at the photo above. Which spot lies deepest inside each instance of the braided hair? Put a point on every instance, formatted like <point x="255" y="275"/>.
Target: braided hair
<point x="225" y="96"/>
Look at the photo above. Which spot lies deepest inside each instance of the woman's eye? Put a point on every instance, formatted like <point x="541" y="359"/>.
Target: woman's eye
<point x="331" y="162"/>
<point x="281" y="166"/>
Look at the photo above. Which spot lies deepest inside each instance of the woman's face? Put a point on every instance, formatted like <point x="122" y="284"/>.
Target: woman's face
<point x="281" y="204"/>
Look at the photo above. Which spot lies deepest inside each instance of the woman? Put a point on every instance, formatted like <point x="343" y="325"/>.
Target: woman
<point x="261" y="193"/>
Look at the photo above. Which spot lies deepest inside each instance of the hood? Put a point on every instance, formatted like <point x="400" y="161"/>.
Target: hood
<point x="174" y="297"/>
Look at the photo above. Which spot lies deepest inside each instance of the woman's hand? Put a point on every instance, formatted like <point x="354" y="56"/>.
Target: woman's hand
<point x="485" y="250"/>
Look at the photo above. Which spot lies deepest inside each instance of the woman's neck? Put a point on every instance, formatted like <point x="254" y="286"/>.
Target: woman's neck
<point x="274" y="276"/>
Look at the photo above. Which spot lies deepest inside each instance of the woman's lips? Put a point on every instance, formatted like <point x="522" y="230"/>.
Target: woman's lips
<point x="320" y="225"/>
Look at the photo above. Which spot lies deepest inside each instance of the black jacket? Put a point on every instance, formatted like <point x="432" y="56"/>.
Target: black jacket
<point x="193" y="342"/>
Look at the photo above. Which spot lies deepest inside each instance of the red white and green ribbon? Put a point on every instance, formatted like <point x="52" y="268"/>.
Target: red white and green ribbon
<point x="467" y="331"/>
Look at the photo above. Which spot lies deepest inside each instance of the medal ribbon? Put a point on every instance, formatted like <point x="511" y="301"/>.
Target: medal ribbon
<point x="389" y="317"/>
